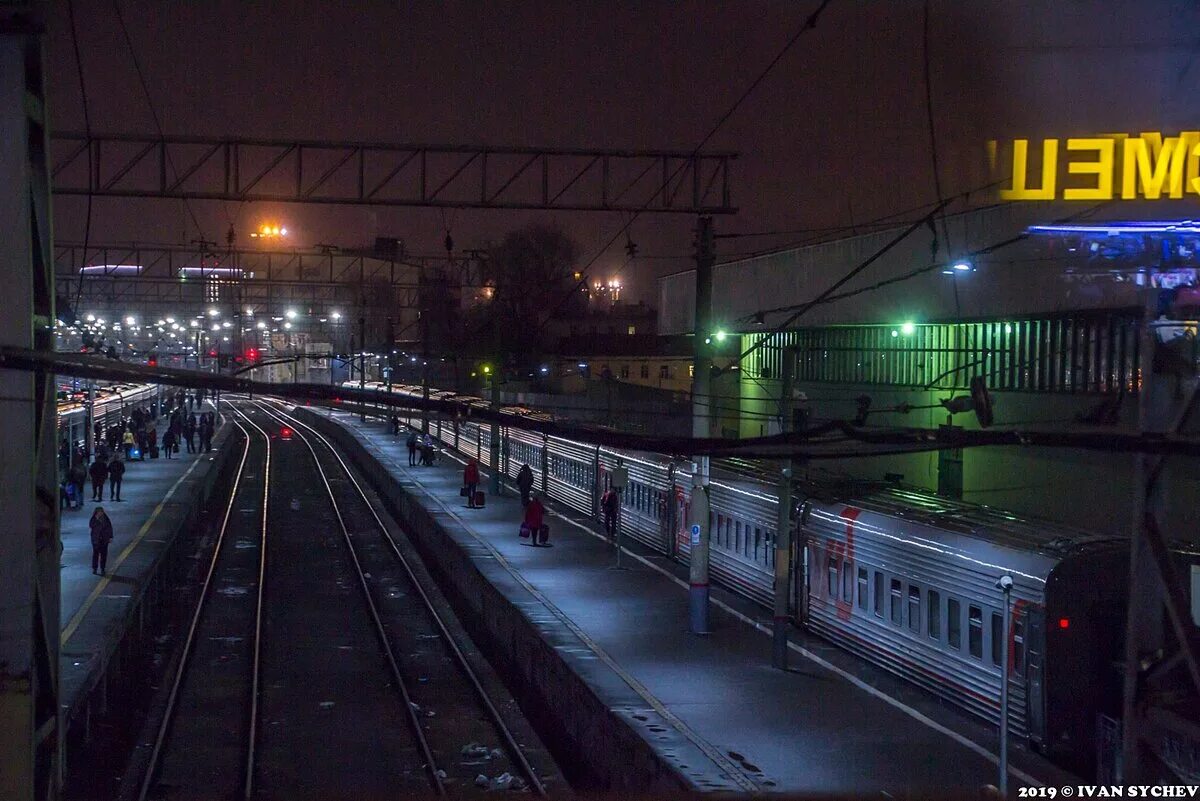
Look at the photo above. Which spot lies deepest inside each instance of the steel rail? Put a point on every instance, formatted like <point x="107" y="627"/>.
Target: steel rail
<point x="385" y="642"/>
<point x="516" y="752"/>
<point x="172" y="698"/>
<point x="248" y="786"/>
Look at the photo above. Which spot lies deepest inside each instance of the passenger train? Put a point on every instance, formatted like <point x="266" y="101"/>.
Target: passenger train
<point x="112" y="402"/>
<point x="904" y="579"/>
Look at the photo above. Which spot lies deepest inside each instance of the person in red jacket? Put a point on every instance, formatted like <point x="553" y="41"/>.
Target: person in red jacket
<point x="471" y="479"/>
<point x="534" y="515"/>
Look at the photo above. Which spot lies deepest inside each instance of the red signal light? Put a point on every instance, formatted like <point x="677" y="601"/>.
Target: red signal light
<point x="152" y="361"/>
<point x="285" y="432"/>
<point x="1064" y="623"/>
<point x="252" y="354"/>
<point x="212" y="352"/>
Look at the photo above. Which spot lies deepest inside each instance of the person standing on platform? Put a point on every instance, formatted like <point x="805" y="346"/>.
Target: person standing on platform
<point x="78" y="478"/>
<point x="525" y="483"/>
<point x="64" y="456"/>
<point x="471" y="480"/>
<point x="102" y="534"/>
<point x="116" y="472"/>
<point x="127" y="442"/>
<point x="610" y="504"/>
<point x="535" y="515"/>
<point x="99" y="472"/>
<point x="169" y="441"/>
<point x="189" y="432"/>
<point x="411" y="444"/>
<point x="206" y="433"/>
<point x="395" y="426"/>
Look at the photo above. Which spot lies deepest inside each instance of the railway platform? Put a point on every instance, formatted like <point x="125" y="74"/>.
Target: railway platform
<point x="712" y="706"/>
<point x="161" y="498"/>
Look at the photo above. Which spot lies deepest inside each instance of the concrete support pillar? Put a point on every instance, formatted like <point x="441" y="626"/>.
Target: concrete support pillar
<point x="30" y="737"/>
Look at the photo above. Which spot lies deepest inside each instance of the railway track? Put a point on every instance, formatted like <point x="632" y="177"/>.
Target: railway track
<point x="205" y="735"/>
<point x="465" y="733"/>
<point x="281" y="688"/>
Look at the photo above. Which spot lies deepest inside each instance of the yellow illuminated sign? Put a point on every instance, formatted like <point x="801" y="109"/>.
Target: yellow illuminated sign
<point x="1146" y="166"/>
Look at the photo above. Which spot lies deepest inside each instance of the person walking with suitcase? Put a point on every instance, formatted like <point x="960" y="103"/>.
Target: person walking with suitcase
<point x="535" y="515"/>
<point x="102" y="534"/>
<point x="116" y="472"/>
<point x="471" y="480"/>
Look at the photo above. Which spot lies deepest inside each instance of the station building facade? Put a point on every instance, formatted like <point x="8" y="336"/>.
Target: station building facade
<point x="1042" y="298"/>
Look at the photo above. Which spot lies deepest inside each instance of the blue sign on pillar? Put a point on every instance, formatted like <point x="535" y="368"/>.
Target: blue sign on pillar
<point x="695" y="534"/>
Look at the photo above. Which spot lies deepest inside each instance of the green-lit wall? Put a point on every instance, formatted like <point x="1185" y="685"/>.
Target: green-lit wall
<point x="1090" y="489"/>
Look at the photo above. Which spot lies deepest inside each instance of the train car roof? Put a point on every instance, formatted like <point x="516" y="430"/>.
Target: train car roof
<point x="953" y="520"/>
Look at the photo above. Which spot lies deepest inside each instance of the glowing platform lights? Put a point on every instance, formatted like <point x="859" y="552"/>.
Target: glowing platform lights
<point x="269" y="231"/>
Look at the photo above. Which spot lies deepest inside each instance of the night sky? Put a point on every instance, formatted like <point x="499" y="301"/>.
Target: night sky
<point x="837" y="134"/>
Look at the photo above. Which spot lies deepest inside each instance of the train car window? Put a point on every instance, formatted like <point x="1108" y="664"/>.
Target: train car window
<point x="953" y="623"/>
<point x="975" y="631"/>
<point x="914" y="608"/>
<point x="997" y="638"/>
<point x="862" y="588"/>
<point x="847" y="583"/>
<point x="832" y="566"/>
<point x="933" y="625"/>
<point x="1018" y="654"/>
<point x="878" y="594"/>
<point x="897" y="602"/>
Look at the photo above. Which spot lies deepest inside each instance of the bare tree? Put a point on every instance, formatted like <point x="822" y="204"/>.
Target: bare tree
<point x="529" y="274"/>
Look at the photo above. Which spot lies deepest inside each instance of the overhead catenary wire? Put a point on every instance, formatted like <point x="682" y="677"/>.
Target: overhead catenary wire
<point x="896" y="240"/>
<point x="933" y="151"/>
<point x="87" y="128"/>
<point x="810" y="23"/>
<point x="796" y="443"/>
<point x="983" y="251"/>
<point x="137" y="66"/>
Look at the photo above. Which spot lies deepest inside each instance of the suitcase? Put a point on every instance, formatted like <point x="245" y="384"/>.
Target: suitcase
<point x="543" y="536"/>
<point x="479" y="498"/>
<point x="153" y="451"/>
<point x="525" y="532"/>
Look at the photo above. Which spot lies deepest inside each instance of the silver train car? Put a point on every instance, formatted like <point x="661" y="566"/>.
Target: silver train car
<point x="903" y="579"/>
<point x="908" y="581"/>
<point x="112" y="403"/>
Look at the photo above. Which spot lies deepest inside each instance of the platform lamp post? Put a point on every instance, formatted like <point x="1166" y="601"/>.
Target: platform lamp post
<point x="617" y="482"/>
<point x="698" y="512"/>
<point x="1005" y="584"/>
<point x="783" y="527"/>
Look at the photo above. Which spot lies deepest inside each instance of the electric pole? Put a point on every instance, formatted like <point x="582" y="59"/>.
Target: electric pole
<point x="701" y="426"/>
<point x="1164" y="406"/>
<point x="783" y="525"/>
<point x="362" y="365"/>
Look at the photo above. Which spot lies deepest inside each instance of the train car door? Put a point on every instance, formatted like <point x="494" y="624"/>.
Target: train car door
<point x="1035" y="653"/>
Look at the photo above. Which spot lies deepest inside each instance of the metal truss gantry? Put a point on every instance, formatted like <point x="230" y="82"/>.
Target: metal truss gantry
<point x="146" y="278"/>
<point x="378" y="174"/>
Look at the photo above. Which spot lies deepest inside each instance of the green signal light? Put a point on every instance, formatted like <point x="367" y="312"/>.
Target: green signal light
<point x="908" y="329"/>
<point x="721" y="335"/>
